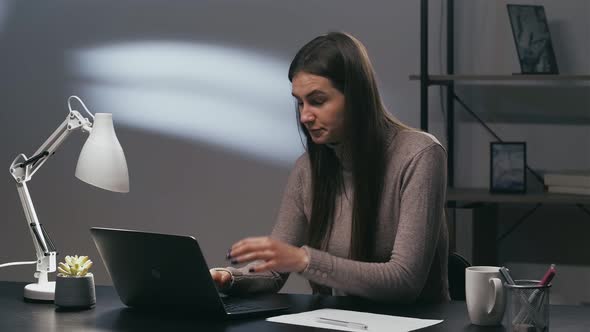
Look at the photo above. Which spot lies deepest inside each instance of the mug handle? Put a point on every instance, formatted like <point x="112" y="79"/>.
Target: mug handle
<point x="495" y="304"/>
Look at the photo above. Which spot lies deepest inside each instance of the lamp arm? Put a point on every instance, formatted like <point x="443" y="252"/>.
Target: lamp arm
<point x="44" y="248"/>
<point x="22" y="169"/>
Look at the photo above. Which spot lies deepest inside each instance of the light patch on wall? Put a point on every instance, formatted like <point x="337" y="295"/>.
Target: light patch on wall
<point x="227" y="97"/>
<point x="4" y="11"/>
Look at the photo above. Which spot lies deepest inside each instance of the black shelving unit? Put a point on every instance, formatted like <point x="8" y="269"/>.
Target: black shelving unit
<point x="448" y="80"/>
<point x="484" y="232"/>
<point x="426" y="82"/>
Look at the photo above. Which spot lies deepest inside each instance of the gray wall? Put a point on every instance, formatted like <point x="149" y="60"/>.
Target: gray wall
<point x="185" y="178"/>
<point x="202" y="107"/>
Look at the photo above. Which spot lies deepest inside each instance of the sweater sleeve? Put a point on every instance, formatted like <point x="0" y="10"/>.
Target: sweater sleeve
<point x="402" y="278"/>
<point x="291" y="227"/>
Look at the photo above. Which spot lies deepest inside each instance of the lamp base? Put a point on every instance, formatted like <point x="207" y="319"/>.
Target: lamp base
<point x="40" y="292"/>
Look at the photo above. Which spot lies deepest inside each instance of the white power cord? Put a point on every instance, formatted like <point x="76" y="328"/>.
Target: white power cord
<point x="17" y="263"/>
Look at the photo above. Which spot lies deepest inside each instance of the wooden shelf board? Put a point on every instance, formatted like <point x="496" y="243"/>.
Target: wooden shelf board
<point x="482" y="195"/>
<point x="505" y="77"/>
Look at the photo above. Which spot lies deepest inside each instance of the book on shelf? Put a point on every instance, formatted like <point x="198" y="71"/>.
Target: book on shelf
<point x="568" y="179"/>
<point x="569" y="190"/>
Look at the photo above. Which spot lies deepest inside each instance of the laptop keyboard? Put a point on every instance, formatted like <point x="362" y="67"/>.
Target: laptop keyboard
<point x="237" y="307"/>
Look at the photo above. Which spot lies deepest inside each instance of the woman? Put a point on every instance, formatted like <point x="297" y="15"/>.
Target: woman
<point x="363" y="210"/>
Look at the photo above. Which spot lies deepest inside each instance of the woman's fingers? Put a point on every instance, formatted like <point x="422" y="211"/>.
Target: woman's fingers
<point x="263" y="267"/>
<point x="249" y="245"/>
<point x="249" y="240"/>
<point x="225" y="278"/>
<point x="215" y="275"/>
<point x="221" y="278"/>
<point x="272" y="255"/>
<point x="253" y="256"/>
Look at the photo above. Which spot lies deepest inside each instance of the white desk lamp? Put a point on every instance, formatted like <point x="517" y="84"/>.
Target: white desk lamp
<point x="101" y="163"/>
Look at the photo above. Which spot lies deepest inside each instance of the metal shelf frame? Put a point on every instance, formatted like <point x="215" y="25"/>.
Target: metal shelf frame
<point x="426" y="82"/>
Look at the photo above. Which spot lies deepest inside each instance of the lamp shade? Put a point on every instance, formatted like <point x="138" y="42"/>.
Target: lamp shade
<point x="102" y="161"/>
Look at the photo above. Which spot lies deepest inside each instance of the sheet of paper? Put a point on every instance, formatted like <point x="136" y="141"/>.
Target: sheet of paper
<point x="374" y="322"/>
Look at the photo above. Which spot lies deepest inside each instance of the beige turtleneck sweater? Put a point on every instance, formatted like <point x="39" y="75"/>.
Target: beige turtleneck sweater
<point x="411" y="248"/>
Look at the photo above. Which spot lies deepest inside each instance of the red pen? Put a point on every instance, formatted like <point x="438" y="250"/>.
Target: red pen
<point x="544" y="281"/>
<point x="548" y="276"/>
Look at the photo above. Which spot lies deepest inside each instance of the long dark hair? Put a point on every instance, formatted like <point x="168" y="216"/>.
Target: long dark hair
<point x="343" y="60"/>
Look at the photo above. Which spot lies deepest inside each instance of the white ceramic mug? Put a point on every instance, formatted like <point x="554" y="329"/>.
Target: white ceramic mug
<point x="484" y="292"/>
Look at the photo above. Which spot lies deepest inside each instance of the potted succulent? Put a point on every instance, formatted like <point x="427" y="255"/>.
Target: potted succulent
<point x="74" y="286"/>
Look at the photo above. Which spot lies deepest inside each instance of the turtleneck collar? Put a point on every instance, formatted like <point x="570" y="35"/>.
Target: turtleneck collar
<point x="344" y="154"/>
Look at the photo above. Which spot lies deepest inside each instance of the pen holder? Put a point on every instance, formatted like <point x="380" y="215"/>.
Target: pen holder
<point x="527" y="307"/>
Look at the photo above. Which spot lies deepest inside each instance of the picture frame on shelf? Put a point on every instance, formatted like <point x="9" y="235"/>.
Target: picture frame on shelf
<point x="532" y="39"/>
<point x="508" y="167"/>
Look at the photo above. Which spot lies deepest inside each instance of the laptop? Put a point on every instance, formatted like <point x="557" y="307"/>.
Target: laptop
<point x="169" y="273"/>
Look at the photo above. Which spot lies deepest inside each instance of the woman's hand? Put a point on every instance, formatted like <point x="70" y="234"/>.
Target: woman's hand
<point x="277" y="256"/>
<point x="221" y="278"/>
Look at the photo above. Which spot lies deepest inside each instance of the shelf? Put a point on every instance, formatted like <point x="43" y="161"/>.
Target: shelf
<point x="518" y="77"/>
<point x="482" y="195"/>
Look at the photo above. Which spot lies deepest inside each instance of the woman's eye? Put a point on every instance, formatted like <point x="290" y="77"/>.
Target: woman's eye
<point x="317" y="102"/>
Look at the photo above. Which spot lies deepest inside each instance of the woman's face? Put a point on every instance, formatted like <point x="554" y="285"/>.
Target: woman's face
<point x="320" y="106"/>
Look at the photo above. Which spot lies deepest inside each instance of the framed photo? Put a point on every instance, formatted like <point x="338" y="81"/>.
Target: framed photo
<point x="532" y="39"/>
<point x="508" y="167"/>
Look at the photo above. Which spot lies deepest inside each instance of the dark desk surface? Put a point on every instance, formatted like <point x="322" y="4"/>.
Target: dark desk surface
<point x="111" y="315"/>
